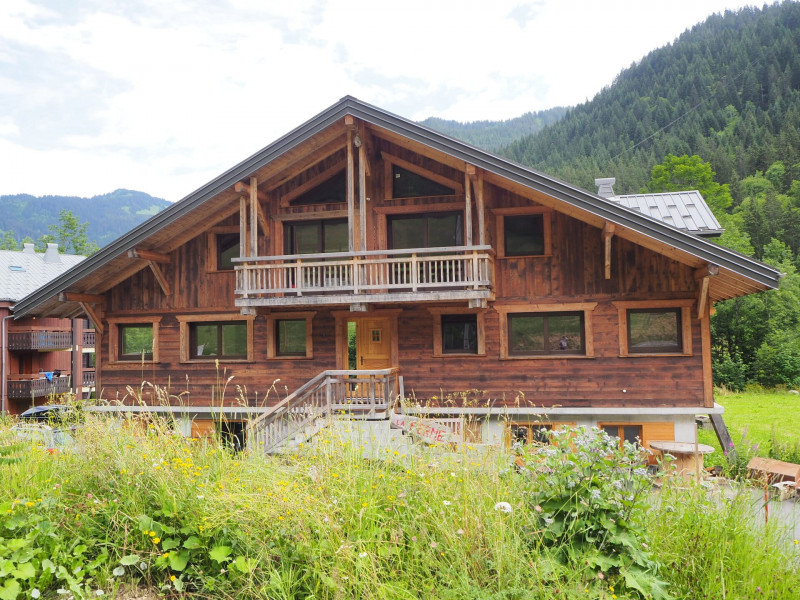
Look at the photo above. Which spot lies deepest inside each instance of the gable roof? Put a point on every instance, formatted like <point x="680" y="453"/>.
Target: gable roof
<point x="683" y="210"/>
<point x="163" y="232"/>
<point x="22" y="272"/>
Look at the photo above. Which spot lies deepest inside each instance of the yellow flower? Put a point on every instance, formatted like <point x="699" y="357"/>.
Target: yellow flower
<point x="172" y="578"/>
<point x="150" y="533"/>
<point x="156" y="540"/>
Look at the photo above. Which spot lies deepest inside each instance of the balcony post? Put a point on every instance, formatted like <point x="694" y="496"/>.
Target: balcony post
<point x="298" y="277"/>
<point x="475" y="270"/>
<point x="467" y="205"/>
<point x="414" y="274"/>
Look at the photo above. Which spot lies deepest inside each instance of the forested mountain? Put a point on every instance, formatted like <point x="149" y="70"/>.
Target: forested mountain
<point x="727" y="90"/>
<point x="494" y="135"/>
<point x="108" y="215"/>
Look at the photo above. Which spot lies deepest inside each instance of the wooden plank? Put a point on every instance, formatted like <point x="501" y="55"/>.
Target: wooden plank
<point x="702" y="298"/>
<point x="705" y="346"/>
<point x="159" y="275"/>
<point x="94" y="316"/>
<point x="253" y="216"/>
<point x="306" y="162"/>
<point x="608" y="233"/>
<point x="311" y="216"/>
<point x="479" y="199"/>
<point x="467" y="207"/>
<point x="350" y="193"/>
<point x="85" y="298"/>
<point x="242" y="228"/>
<point x="149" y="255"/>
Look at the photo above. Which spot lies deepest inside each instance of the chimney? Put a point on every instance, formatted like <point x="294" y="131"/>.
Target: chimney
<point x="28" y="248"/>
<point x="51" y="254"/>
<point x="605" y="186"/>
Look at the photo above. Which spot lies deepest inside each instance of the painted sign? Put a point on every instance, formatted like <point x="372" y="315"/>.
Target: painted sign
<point x="425" y="430"/>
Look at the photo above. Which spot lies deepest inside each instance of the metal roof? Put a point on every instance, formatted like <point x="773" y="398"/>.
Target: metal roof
<point x="23" y="272"/>
<point x="683" y="210"/>
<point x="763" y="276"/>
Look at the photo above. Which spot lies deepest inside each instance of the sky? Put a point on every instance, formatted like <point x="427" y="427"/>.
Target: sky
<point x="162" y="96"/>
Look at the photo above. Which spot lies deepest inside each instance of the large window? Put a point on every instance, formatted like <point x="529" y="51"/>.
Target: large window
<point x="223" y="337"/>
<point x="546" y="330"/>
<point x="655" y="327"/>
<point x="430" y="230"/>
<point x="546" y="333"/>
<point x="135" y="341"/>
<point x="316" y="237"/>
<point x="218" y="340"/>
<point x="523" y="231"/>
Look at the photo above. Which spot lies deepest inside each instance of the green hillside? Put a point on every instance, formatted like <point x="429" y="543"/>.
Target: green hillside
<point x="493" y="135"/>
<point x="108" y="215"/>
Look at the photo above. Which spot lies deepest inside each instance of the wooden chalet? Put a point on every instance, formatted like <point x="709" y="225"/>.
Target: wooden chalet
<point x="362" y="256"/>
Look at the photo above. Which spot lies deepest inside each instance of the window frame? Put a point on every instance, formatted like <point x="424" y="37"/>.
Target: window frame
<point x="288" y="198"/>
<point x="212" y="257"/>
<point x="500" y="215"/>
<point x="587" y="308"/>
<point x="115" y="339"/>
<point x="272" y="334"/>
<point x="390" y="161"/>
<point x="320" y="223"/>
<point x="423" y="215"/>
<point x="186" y="321"/>
<point x="437" y="314"/>
<point x="621" y="424"/>
<point x="684" y="305"/>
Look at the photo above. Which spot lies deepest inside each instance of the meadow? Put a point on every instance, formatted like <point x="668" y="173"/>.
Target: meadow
<point x="137" y="511"/>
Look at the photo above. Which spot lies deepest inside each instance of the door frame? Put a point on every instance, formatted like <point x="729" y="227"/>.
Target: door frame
<point x="342" y="317"/>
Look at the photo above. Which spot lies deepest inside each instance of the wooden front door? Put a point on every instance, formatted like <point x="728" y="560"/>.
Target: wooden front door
<point x="373" y="343"/>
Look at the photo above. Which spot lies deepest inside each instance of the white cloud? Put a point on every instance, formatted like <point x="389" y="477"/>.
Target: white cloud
<point x="163" y="96"/>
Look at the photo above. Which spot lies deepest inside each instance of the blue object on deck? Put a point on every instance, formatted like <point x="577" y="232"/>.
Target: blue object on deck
<point x="48" y="375"/>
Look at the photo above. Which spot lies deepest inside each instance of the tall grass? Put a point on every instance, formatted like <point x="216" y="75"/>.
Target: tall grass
<point x="138" y="505"/>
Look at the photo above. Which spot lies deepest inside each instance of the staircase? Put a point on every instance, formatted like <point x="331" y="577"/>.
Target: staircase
<point x="368" y="395"/>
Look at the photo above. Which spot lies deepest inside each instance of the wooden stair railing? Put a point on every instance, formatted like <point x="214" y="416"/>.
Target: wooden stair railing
<point x="359" y="394"/>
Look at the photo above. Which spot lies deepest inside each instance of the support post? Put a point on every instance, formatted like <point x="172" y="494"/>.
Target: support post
<point x="481" y="209"/>
<point x="253" y="217"/>
<point x="242" y="227"/>
<point x="608" y="233"/>
<point x="350" y="194"/>
<point x="362" y="194"/>
<point x="467" y="205"/>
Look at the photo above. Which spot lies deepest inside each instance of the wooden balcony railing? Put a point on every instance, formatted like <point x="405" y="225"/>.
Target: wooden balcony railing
<point x="463" y="272"/>
<point x="21" y="389"/>
<point x="87" y="339"/>
<point x="39" y="340"/>
<point x="88" y="378"/>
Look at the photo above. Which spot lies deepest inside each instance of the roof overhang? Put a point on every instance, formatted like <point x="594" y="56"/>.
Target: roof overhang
<point x="738" y="274"/>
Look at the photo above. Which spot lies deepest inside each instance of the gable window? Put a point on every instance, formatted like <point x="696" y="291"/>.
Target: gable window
<point x="523" y="231"/>
<point x="224" y="337"/>
<point x="218" y="340"/>
<point x="135" y="341"/>
<point x="227" y="250"/>
<point x="316" y="237"/>
<point x="658" y="327"/>
<point x="289" y="335"/>
<point x="332" y="190"/>
<point x="546" y="333"/>
<point x="546" y="330"/>
<point x="429" y="230"/>
<point x="407" y="184"/>
<point x="458" y="331"/>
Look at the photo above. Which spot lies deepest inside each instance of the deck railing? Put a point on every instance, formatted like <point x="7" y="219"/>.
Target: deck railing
<point x="359" y="275"/>
<point x="88" y="377"/>
<point x="22" y="389"/>
<point x="356" y="393"/>
<point x="87" y="339"/>
<point x="39" y="340"/>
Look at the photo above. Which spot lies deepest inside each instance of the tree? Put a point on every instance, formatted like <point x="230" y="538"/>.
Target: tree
<point x="70" y="234"/>
<point x="682" y="173"/>
<point x="9" y="241"/>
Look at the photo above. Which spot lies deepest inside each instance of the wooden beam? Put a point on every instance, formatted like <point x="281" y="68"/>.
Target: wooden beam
<point x="481" y="209"/>
<point x="351" y="210"/>
<point x="313" y="182"/>
<point x="86" y="298"/>
<point x="362" y="194"/>
<point x="706" y="271"/>
<point x="94" y="317"/>
<point x="244" y="188"/>
<point x="149" y="255"/>
<point x="253" y="216"/>
<point x="471" y="172"/>
<point x="308" y="161"/>
<point x="703" y="277"/>
<point x="608" y="233"/>
<point x="467" y="207"/>
<point x="350" y="121"/>
<point x="409" y="166"/>
<point x="242" y="227"/>
<point x="362" y="133"/>
<point x="159" y="275"/>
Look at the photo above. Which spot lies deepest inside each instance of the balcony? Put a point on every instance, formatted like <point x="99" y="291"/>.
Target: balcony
<point x="408" y="275"/>
<point x="39" y="340"/>
<point x="34" y="386"/>
<point x="88" y="377"/>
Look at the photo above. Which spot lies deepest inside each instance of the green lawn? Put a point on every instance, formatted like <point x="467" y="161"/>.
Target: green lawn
<point x="756" y="419"/>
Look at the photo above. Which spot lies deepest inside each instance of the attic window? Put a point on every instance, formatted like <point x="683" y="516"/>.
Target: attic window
<point x="406" y="184"/>
<point x="16" y="268"/>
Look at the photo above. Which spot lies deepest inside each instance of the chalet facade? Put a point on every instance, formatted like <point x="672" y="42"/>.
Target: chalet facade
<point x="41" y="358"/>
<point x="363" y="256"/>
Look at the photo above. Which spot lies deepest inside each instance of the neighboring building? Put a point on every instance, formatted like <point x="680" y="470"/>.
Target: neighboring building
<point x="41" y="357"/>
<point x="362" y="254"/>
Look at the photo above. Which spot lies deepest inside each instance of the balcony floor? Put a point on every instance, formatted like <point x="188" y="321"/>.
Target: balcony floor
<point x="334" y="299"/>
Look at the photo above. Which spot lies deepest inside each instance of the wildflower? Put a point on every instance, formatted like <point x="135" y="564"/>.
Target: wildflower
<point x="433" y="545"/>
<point x="446" y="502"/>
<point x="362" y="555"/>
<point x="460" y="532"/>
<point x="503" y="507"/>
<point x="156" y="540"/>
<point x="172" y="578"/>
<point x="35" y="593"/>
